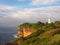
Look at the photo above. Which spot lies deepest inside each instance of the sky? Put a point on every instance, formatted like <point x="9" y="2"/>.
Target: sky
<point x="15" y="12"/>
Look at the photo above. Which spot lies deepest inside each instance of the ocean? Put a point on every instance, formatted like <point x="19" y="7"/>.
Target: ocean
<point x="6" y="37"/>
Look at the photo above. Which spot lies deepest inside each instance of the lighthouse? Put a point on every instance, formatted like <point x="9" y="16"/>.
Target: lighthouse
<point x="49" y="20"/>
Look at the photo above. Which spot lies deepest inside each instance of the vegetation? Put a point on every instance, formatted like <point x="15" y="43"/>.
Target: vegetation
<point x="32" y="25"/>
<point x="46" y="34"/>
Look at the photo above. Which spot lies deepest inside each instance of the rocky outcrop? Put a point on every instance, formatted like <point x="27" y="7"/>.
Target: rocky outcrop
<point x="24" y="32"/>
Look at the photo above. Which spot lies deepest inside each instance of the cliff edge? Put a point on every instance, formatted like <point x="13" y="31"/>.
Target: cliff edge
<point x="37" y="34"/>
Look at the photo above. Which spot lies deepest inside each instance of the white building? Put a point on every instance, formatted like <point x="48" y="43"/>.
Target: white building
<point x="49" y="20"/>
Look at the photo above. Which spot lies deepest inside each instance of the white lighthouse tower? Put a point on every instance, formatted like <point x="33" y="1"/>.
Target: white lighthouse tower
<point x="49" y="20"/>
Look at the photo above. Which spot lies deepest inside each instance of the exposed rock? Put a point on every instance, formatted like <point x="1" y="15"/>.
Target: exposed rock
<point x="25" y="31"/>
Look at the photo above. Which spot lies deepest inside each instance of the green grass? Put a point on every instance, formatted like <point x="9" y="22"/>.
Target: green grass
<point x="46" y="34"/>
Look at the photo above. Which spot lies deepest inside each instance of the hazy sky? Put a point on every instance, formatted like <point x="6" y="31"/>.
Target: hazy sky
<point x="14" y="12"/>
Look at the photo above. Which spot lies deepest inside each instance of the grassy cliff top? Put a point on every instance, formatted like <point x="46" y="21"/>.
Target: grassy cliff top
<point x="40" y="25"/>
<point x="32" y="25"/>
<point x="50" y="35"/>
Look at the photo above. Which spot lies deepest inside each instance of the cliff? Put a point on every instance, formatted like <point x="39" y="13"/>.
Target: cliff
<point x="38" y="34"/>
<point x="28" y="28"/>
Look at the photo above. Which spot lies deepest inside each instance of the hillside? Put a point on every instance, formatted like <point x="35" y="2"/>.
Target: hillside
<point x="37" y="34"/>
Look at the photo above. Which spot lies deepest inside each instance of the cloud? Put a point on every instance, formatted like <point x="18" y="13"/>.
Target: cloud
<point x="5" y="10"/>
<point x="37" y="14"/>
<point x="31" y="15"/>
<point x="5" y="20"/>
<point x="26" y="13"/>
<point x="44" y="2"/>
<point x="11" y="16"/>
<point x="5" y="7"/>
<point x="8" y="22"/>
<point x="7" y="25"/>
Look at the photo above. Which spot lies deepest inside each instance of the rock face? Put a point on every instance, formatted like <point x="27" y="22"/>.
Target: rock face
<point x="24" y="32"/>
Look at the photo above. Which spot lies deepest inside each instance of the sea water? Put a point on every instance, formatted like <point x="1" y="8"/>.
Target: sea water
<point x="6" y="37"/>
